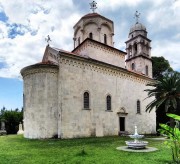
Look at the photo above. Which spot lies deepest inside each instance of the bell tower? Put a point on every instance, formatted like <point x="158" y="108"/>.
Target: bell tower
<point x="138" y="48"/>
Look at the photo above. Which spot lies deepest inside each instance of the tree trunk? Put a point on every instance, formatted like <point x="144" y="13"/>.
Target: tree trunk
<point x="172" y="122"/>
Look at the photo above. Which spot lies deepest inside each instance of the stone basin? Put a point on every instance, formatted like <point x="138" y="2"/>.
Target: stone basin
<point x="137" y="144"/>
<point x="136" y="136"/>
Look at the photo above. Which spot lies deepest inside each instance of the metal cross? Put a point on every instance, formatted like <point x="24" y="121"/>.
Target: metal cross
<point x="93" y="6"/>
<point x="48" y="39"/>
<point x="137" y="15"/>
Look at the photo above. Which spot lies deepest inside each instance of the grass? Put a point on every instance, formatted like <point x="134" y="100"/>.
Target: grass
<point x="18" y="150"/>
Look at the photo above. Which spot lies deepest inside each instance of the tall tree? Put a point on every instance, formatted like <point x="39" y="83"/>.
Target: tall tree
<point x="12" y="118"/>
<point x="160" y="65"/>
<point x="166" y="91"/>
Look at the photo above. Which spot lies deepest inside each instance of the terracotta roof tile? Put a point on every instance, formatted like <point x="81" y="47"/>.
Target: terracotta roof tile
<point x="90" y="15"/>
<point x="46" y="62"/>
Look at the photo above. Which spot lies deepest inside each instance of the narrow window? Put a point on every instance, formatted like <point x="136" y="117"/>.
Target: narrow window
<point x="146" y="70"/>
<point x="90" y="35"/>
<point x="105" y="39"/>
<point x="130" y="51"/>
<point x="138" y="107"/>
<point x="108" y="102"/>
<point x="135" y="49"/>
<point x="133" y="66"/>
<point x="86" y="100"/>
<point x="79" y="41"/>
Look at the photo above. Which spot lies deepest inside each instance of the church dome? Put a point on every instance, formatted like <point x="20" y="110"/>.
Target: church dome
<point x="137" y="27"/>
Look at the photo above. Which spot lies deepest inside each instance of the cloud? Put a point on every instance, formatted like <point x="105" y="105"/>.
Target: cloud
<point x="170" y="51"/>
<point x="115" y="4"/>
<point x="22" y="35"/>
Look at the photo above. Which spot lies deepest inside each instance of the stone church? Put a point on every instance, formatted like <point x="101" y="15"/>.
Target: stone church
<point x="94" y="90"/>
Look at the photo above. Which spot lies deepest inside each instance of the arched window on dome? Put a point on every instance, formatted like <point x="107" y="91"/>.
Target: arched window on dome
<point x="138" y="106"/>
<point x="90" y="35"/>
<point x="108" y="102"/>
<point x="105" y="39"/>
<point x="146" y="70"/>
<point x="133" y="66"/>
<point x="86" y="100"/>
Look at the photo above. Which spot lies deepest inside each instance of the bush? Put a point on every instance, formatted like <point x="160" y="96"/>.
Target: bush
<point x="12" y="118"/>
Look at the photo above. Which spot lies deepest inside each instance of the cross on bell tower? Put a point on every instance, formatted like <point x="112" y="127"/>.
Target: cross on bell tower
<point x="93" y="6"/>
<point x="136" y="16"/>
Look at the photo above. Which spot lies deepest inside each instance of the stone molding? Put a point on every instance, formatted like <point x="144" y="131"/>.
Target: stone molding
<point x="103" y="68"/>
<point x="98" y="45"/>
<point x="34" y="69"/>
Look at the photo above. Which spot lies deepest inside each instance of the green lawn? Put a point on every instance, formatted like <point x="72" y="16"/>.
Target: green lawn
<point x="16" y="149"/>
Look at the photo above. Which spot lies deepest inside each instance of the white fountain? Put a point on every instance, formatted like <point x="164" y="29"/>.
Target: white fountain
<point x="136" y="144"/>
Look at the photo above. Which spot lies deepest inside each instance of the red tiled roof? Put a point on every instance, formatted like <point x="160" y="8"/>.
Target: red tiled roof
<point x="139" y="73"/>
<point x="46" y="62"/>
<point x="91" y="15"/>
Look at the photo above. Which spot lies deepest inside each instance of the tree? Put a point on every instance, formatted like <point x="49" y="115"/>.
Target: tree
<point x="159" y="66"/>
<point x="12" y="118"/>
<point x="166" y="91"/>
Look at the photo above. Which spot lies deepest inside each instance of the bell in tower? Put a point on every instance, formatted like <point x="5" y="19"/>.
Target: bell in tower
<point x="138" y="48"/>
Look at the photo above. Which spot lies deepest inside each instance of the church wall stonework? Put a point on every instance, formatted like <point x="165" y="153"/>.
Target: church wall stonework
<point x="140" y="64"/>
<point x="78" y="77"/>
<point x="101" y="53"/>
<point x="98" y="26"/>
<point x="40" y="101"/>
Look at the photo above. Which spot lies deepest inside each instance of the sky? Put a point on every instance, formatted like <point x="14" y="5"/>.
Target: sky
<point x="24" y="25"/>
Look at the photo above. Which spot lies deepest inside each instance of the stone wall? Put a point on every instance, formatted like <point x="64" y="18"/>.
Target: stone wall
<point x="140" y="65"/>
<point x="40" y="101"/>
<point x="77" y="76"/>
<point x="102" y="53"/>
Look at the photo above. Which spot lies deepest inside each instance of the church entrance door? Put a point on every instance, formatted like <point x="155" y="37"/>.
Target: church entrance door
<point x="122" y="123"/>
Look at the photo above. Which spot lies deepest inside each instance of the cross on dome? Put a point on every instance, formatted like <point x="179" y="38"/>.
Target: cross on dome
<point x="137" y="15"/>
<point x="93" y="6"/>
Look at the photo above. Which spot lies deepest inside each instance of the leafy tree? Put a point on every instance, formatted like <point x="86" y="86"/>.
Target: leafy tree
<point x="166" y="91"/>
<point x="159" y="66"/>
<point x="12" y="118"/>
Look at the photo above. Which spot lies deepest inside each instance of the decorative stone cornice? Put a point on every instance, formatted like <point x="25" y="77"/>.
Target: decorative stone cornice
<point x="134" y="57"/>
<point x="96" y="44"/>
<point x="104" y="68"/>
<point x="39" y="68"/>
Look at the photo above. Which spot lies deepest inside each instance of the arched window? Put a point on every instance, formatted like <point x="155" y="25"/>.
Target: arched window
<point x="90" y="35"/>
<point x="86" y="100"/>
<point x="105" y="39"/>
<point x="147" y="49"/>
<point x="108" y="102"/>
<point x="138" y="106"/>
<point x="135" y="49"/>
<point x="130" y="51"/>
<point x="133" y="66"/>
<point x="79" y="41"/>
<point x="146" y="70"/>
